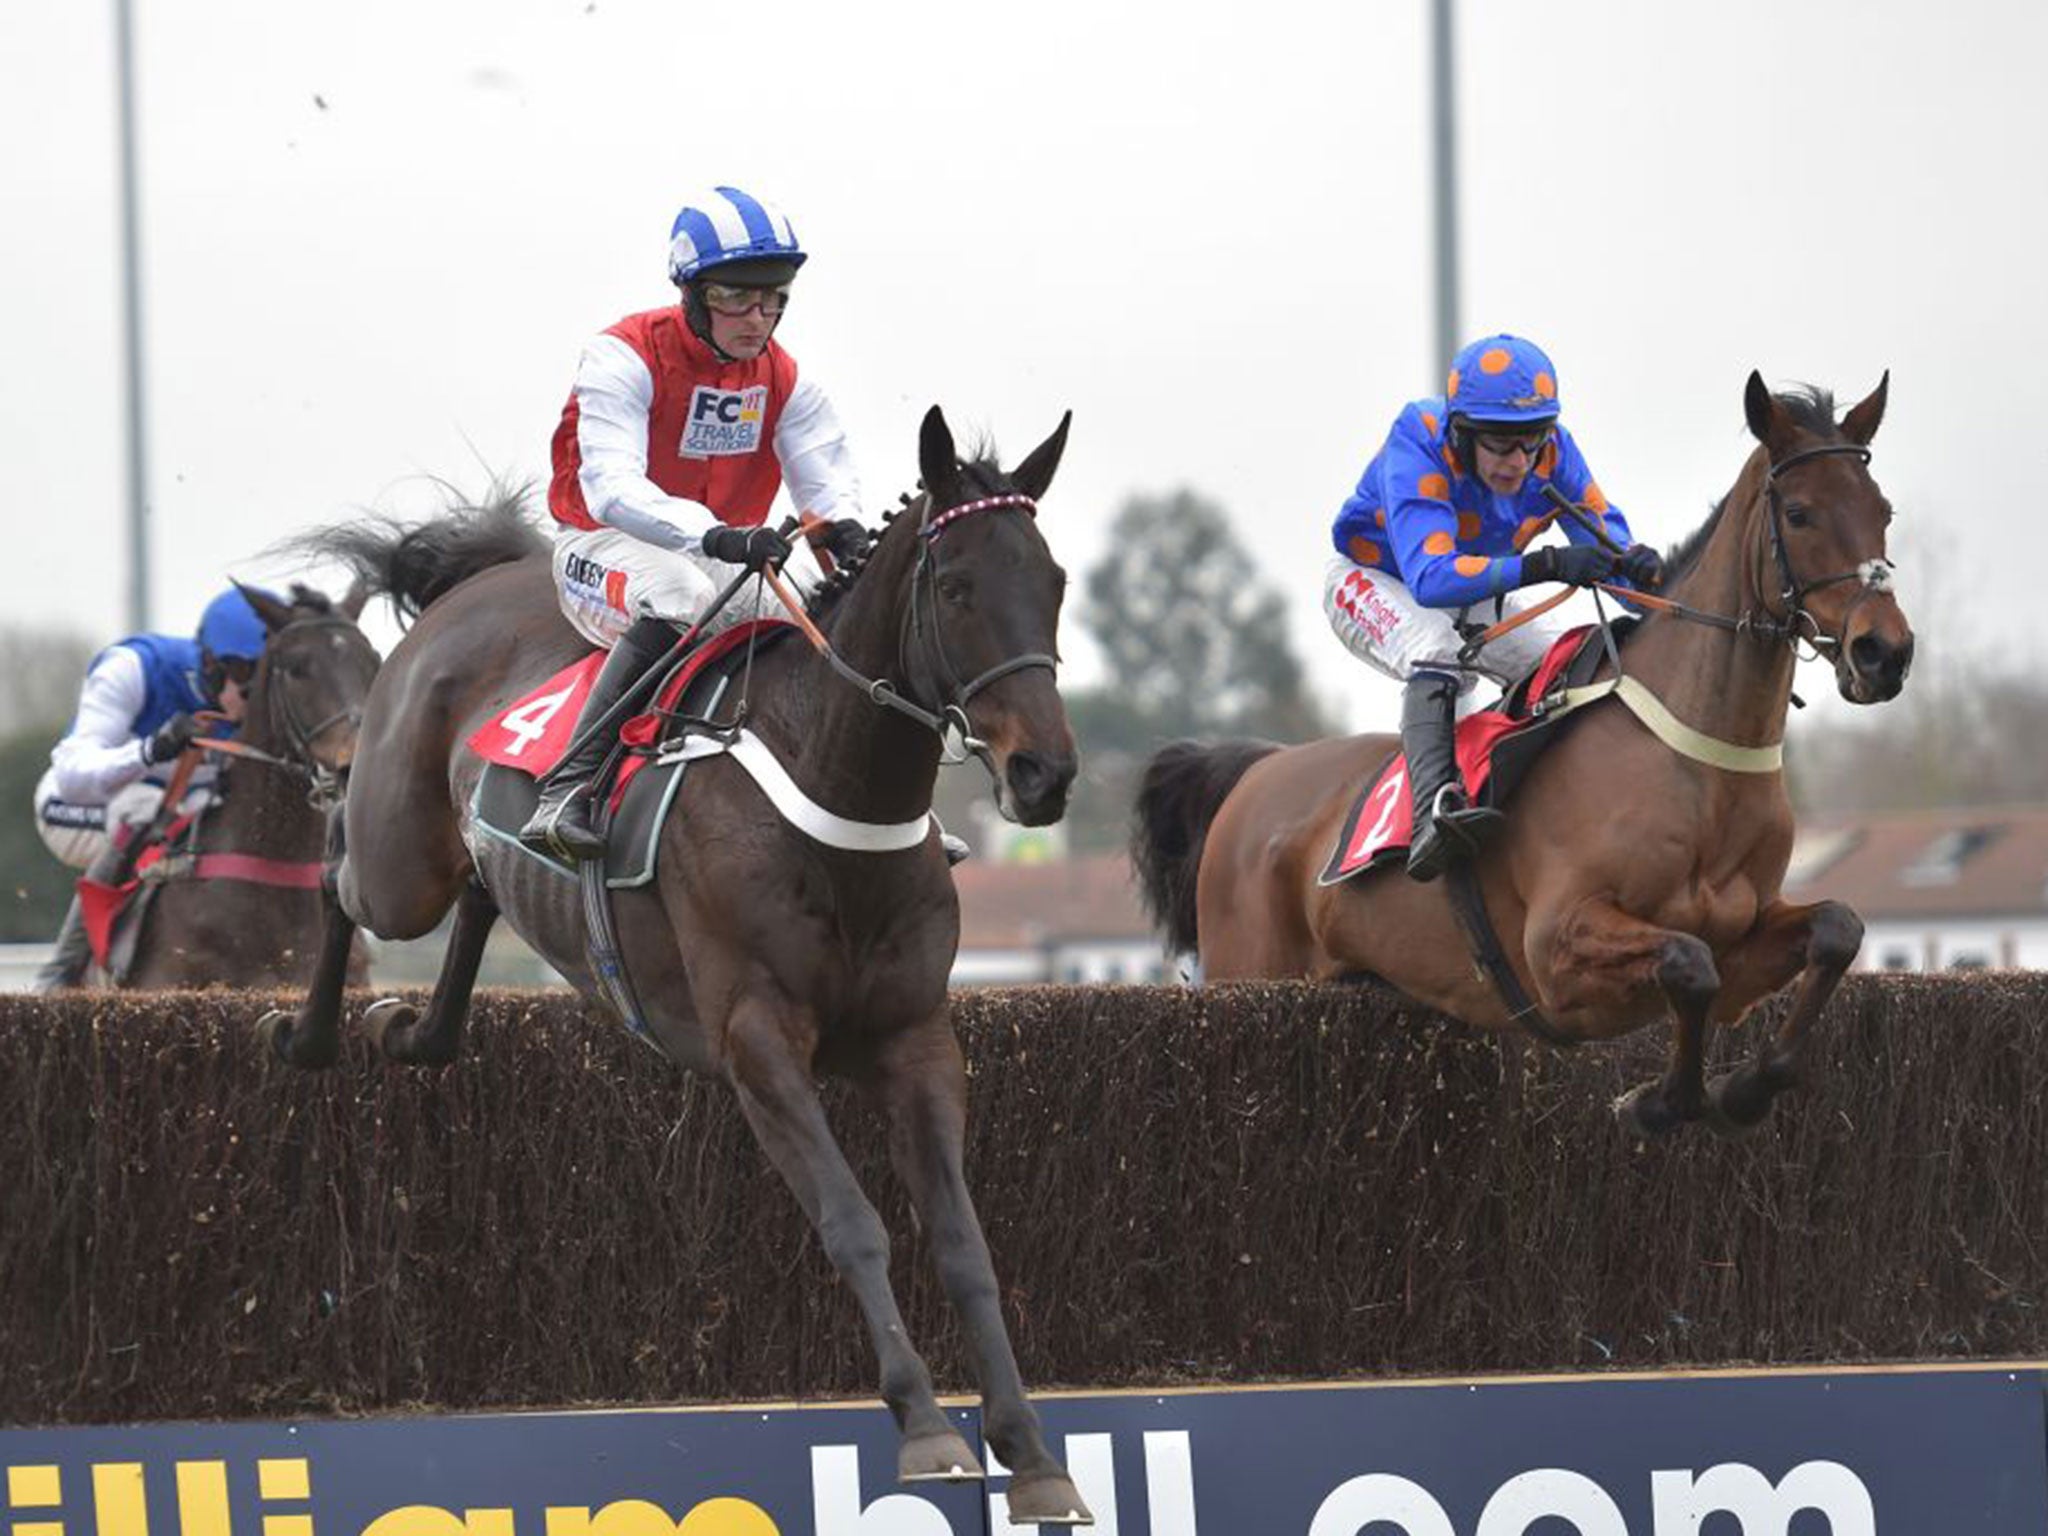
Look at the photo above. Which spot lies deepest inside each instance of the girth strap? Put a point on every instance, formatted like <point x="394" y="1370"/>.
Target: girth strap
<point x="1491" y="960"/>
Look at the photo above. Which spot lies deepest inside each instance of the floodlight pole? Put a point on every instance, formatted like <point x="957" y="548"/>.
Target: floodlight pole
<point x="131" y="315"/>
<point x="1444" y="155"/>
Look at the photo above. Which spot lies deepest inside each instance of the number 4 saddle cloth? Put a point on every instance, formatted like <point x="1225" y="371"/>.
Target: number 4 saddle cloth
<point x="522" y="742"/>
<point x="1495" y="747"/>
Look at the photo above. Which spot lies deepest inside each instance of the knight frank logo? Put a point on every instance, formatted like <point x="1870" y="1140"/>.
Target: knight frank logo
<point x="724" y="422"/>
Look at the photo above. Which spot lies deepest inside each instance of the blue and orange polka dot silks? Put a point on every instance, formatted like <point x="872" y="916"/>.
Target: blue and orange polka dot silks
<point x="1502" y="378"/>
<point x="1440" y="530"/>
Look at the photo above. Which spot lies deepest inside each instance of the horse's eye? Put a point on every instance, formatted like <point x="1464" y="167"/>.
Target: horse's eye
<point x="1797" y="515"/>
<point x="955" y="590"/>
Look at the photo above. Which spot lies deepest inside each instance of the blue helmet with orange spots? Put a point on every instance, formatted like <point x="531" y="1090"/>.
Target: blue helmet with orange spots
<point x="1502" y="379"/>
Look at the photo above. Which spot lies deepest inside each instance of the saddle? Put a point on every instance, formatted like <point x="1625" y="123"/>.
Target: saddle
<point x="1495" y="747"/>
<point x="522" y="742"/>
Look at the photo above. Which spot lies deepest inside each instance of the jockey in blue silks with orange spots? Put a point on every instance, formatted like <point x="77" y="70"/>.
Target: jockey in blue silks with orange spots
<point x="1433" y="538"/>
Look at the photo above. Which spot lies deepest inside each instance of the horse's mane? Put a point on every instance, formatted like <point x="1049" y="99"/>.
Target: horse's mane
<point x="984" y="477"/>
<point x="1813" y="410"/>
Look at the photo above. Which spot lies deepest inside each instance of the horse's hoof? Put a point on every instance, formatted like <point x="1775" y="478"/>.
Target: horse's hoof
<point x="275" y="1029"/>
<point x="1050" y="1498"/>
<point x="1737" y="1119"/>
<point x="939" y="1457"/>
<point x="1643" y="1114"/>
<point x="385" y="1015"/>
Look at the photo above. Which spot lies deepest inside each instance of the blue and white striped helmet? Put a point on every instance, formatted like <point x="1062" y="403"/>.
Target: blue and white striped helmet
<point x="726" y="225"/>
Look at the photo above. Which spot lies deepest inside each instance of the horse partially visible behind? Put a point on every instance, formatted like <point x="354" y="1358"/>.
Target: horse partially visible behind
<point x="241" y="906"/>
<point x="1633" y="881"/>
<point x="762" y="953"/>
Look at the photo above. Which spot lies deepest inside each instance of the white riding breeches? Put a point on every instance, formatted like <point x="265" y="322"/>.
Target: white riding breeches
<point x="607" y="579"/>
<point x="1382" y="624"/>
<point x="77" y="834"/>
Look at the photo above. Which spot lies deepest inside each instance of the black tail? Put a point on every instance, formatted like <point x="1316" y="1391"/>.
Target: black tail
<point x="415" y="565"/>
<point x="1183" y="788"/>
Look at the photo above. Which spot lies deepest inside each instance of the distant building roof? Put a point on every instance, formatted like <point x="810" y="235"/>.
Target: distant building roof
<point x="1957" y="861"/>
<point x="1013" y="906"/>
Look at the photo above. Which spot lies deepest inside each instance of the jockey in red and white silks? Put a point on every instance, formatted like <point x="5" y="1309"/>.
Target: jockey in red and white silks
<point x="1437" y="534"/>
<point x="683" y="424"/>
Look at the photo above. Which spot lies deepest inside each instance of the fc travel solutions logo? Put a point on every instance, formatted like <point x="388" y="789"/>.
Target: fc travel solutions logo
<point x="724" y="422"/>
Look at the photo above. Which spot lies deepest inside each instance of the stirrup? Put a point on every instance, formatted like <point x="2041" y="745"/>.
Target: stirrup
<point x="543" y="829"/>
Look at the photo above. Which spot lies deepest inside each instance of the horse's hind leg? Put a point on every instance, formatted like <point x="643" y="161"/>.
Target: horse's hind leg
<point x="1817" y="944"/>
<point x="432" y="1039"/>
<point x="769" y="1051"/>
<point x="922" y="1087"/>
<point x="312" y="1037"/>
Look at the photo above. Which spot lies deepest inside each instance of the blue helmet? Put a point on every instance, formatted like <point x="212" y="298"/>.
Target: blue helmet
<point x="725" y="225"/>
<point x="231" y="626"/>
<point x="1504" y="379"/>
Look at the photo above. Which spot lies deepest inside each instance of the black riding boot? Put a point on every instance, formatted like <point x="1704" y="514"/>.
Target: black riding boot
<point x="1448" y="828"/>
<point x="563" y="822"/>
<point x="71" y="955"/>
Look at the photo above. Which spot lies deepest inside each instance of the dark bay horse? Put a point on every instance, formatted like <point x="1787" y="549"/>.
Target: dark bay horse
<point x="245" y="908"/>
<point x="760" y="955"/>
<point x="1632" y="880"/>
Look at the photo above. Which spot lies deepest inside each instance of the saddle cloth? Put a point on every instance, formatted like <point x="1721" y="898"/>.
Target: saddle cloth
<point x="525" y="740"/>
<point x="1495" y="747"/>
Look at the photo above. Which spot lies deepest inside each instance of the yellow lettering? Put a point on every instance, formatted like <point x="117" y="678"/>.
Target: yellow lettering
<point x="432" y="1520"/>
<point x="34" y="1487"/>
<point x="117" y="1498"/>
<point x="625" y="1517"/>
<point x="283" y="1477"/>
<point x="203" y="1499"/>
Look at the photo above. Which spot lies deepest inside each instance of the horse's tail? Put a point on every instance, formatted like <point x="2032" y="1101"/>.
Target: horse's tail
<point x="1182" y="789"/>
<point x="415" y="565"/>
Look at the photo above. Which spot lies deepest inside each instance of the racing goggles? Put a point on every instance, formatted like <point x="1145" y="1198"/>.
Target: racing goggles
<point x="728" y="299"/>
<point x="1501" y="444"/>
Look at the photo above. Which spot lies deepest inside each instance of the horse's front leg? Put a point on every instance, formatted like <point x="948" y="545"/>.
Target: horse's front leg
<point x="1600" y="963"/>
<point x="1816" y="943"/>
<point x="921" y="1085"/>
<point x="312" y="1037"/>
<point x="770" y="1046"/>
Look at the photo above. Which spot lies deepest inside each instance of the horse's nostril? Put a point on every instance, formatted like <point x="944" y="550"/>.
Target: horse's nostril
<point x="1033" y="777"/>
<point x="1867" y="652"/>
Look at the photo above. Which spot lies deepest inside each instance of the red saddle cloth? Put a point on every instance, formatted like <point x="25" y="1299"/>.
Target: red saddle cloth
<point x="1381" y="822"/>
<point x="532" y="734"/>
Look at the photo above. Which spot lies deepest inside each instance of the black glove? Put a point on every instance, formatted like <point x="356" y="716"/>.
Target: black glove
<point x="751" y="547"/>
<point x="1643" y="567"/>
<point x="846" y="539"/>
<point x="1579" y="564"/>
<point x="171" y="738"/>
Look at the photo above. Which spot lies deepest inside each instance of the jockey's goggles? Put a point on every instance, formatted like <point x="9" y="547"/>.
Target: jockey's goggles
<point x="1505" y="443"/>
<point x="239" y="670"/>
<point x="728" y="299"/>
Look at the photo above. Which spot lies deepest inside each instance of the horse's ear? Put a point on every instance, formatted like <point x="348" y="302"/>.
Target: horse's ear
<point x="351" y="605"/>
<point x="937" y="460"/>
<point x="1765" y="416"/>
<point x="275" y="615"/>
<point x="1035" y="473"/>
<point x="1860" y="425"/>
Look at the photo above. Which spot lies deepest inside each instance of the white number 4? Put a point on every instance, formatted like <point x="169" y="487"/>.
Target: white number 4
<point x="529" y="722"/>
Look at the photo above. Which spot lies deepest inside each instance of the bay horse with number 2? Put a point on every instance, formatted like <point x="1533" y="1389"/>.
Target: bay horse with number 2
<point x="760" y="955"/>
<point x="1631" y="881"/>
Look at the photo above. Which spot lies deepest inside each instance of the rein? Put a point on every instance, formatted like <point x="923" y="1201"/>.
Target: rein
<point x="922" y="612"/>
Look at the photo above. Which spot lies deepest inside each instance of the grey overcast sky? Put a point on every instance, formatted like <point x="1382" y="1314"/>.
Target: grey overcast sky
<point x="377" y="234"/>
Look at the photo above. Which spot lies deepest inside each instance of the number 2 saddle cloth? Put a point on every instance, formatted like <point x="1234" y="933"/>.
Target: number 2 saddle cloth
<point x="1495" y="747"/>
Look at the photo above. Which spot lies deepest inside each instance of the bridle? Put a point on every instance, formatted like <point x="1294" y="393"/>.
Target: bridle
<point x="323" y="784"/>
<point x="1797" y="624"/>
<point x="921" y="626"/>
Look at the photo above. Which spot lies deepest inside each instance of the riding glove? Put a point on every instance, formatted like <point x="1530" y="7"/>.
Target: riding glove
<point x="751" y="547"/>
<point x="1643" y="567"/>
<point x="171" y="738"/>
<point x="1578" y="564"/>
<point x="846" y="539"/>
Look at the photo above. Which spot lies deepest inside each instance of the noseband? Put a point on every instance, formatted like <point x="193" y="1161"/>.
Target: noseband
<point x="1798" y="624"/>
